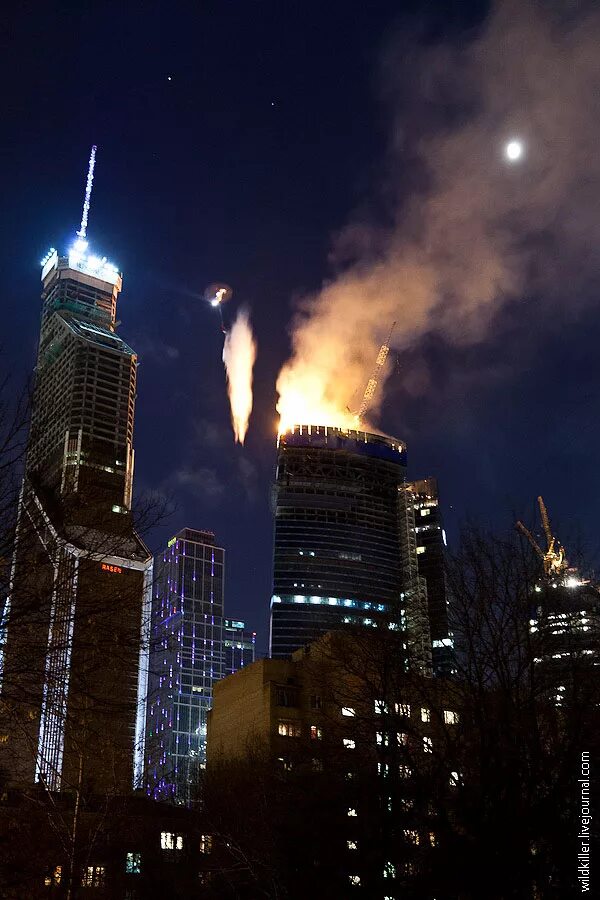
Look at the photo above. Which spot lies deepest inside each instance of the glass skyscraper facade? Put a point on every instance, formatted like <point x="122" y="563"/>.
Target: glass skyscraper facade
<point x="186" y="658"/>
<point x="344" y="548"/>
<point x="80" y="577"/>
<point x="239" y="645"/>
<point x="430" y="548"/>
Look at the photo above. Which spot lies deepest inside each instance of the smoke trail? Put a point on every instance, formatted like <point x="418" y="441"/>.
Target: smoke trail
<point x="239" y="353"/>
<point x="470" y="233"/>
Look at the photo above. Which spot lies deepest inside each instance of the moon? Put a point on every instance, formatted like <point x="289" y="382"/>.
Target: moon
<point x="514" y="150"/>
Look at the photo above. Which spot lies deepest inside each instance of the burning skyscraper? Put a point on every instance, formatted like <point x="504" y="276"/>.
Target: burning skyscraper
<point x="345" y="542"/>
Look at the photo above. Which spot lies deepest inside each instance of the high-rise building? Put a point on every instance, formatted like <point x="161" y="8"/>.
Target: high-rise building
<point x="431" y="543"/>
<point x="186" y="658"/>
<point x="345" y="543"/>
<point x="565" y="632"/>
<point x="72" y="667"/>
<point x="239" y="645"/>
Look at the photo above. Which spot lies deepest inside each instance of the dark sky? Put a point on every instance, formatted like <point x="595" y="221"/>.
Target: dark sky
<point x="235" y="139"/>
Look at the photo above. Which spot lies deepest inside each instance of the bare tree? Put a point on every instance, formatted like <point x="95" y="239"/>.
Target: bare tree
<point x="463" y="787"/>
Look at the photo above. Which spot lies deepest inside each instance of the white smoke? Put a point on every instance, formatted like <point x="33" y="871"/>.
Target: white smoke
<point x="469" y="231"/>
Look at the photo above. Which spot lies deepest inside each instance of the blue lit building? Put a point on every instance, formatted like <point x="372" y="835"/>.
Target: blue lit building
<point x="239" y="644"/>
<point x="186" y="658"/>
<point x="345" y="542"/>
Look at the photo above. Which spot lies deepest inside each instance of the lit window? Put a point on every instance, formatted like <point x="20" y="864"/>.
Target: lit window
<point x="389" y="870"/>
<point x="425" y="714"/>
<point x="402" y="739"/>
<point x="354" y="879"/>
<point x="352" y="812"/>
<point x="450" y="717"/>
<point x="421" y="549"/>
<point x="289" y="729"/>
<point x="381" y="707"/>
<point x="382" y="738"/>
<point x="316" y="733"/>
<point x="348" y="711"/>
<point x="404" y="771"/>
<point x="454" y="779"/>
<point x="427" y="745"/>
<point x="352" y="845"/>
<point x="432" y="839"/>
<point x="406" y="804"/>
<point x="206" y="842"/>
<point x="402" y="709"/>
<point x="170" y="841"/>
<point x="383" y="768"/>
<point x="133" y="863"/>
<point x="349" y="743"/>
<point x="411" y="835"/>
<point x="54" y="877"/>
<point x="93" y="876"/>
<point x="425" y="512"/>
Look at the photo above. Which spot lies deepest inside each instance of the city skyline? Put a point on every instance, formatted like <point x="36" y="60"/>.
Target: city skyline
<point x="299" y="562"/>
<point x="482" y="410"/>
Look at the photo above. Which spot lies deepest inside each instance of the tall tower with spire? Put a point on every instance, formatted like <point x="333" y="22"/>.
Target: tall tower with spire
<point x="73" y="666"/>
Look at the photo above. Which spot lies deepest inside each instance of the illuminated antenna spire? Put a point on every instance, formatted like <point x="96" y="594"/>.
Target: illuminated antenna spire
<point x="88" y="193"/>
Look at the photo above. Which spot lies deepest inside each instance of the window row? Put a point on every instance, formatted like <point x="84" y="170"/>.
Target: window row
<point x="404" y="709"/>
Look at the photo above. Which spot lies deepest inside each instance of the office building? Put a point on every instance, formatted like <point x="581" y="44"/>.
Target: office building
<point x="239" y="645"/>
<point x="352" y="746"/>
<point x="564" y="620"/>
<point x="73" y="661"/>
<point x="186" y="658"/>
<point x="430" y="548"/>
<point x="345" y="547"/>
<point x="565" y="633"/>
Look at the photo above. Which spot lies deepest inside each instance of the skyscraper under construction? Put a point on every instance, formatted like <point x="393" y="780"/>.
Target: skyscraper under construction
<point x="345" y="547"/>
<point x="77" y="612"/>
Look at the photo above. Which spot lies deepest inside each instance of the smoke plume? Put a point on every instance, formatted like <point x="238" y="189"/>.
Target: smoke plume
<point x="466" y="230"/>
<point x="239" y="353"/>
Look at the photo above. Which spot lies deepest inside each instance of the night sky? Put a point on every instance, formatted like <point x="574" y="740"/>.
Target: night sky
<point x="235" y="139"/>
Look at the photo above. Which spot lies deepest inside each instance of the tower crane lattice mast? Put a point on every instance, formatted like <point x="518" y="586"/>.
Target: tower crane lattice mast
<point x="374" y="379"/>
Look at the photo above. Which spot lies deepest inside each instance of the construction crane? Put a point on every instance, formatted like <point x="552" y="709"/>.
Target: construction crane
<point x="375" y="375"/>
<point x="554" y="558"/>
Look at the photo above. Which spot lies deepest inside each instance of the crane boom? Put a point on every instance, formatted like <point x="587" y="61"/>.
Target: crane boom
<point x="374" y="379"/>
<point x="531" y="540"/>
<point x="545" y="521"/>
<point x="554" y="557"/>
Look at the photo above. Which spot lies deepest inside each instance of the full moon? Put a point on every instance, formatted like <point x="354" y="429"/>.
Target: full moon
<point x="513" y="150"/>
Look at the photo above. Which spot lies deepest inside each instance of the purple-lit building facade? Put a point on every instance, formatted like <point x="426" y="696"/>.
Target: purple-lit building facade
<point x="186" y="657"/>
